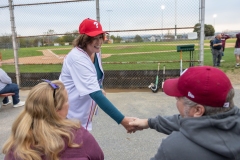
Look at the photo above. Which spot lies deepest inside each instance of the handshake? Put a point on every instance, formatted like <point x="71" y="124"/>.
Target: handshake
<point x="133" y="124"/>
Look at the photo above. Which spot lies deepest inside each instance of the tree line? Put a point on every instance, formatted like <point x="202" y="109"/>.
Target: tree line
<point x="49" y="38"/>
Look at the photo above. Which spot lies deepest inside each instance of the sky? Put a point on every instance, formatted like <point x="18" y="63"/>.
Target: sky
<point x="226" y="14"/>
<point x="119" y="15"/>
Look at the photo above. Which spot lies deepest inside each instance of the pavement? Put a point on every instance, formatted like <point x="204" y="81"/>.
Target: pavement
<point x="115" y="142"/>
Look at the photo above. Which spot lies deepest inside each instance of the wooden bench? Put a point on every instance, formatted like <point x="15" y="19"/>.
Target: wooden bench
<point x="2" y="96"/>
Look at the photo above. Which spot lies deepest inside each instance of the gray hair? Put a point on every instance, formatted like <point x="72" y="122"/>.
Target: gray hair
<point x="209" y="110"/>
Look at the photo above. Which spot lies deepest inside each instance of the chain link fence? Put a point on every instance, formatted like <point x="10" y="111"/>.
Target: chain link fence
<point x="141" y="35"/>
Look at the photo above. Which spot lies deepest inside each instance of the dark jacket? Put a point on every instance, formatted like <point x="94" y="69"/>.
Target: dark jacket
<point x="213" y="137"/>
<point x="216" y="41"/>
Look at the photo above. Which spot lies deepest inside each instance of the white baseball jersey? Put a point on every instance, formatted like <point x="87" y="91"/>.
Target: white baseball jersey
<point x="80" y="79"/>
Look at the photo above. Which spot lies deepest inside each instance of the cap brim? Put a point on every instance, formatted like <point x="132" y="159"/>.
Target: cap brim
<point x="170" y="87"/>
<point x="95" y="33"/>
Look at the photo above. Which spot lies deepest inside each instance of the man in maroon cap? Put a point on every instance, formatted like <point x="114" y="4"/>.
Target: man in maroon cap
<point x="208" y="126"/>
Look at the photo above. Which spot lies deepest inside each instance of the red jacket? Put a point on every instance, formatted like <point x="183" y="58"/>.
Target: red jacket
<point x="224" y="38"/>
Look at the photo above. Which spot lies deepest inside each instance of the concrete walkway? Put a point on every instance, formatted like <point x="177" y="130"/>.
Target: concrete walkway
<point x="113" y="139"/>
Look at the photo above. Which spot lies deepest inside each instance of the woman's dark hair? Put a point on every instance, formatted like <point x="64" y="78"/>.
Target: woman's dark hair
<point x="82" y="40"/>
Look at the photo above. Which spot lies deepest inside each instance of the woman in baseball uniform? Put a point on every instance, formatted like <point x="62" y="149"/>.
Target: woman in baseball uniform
<point x="82" y="74"/>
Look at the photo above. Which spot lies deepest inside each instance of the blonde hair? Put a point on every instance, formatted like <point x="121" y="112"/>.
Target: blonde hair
<point x="39" y="130"/>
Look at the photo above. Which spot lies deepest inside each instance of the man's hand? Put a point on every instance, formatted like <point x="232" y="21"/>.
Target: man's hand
<point x="139" y="124"/>
<point x="125" y="122"/>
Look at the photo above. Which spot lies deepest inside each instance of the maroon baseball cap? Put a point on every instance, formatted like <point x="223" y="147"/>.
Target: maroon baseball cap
<point x="90" y="27"/>
<point x="204" y="85"/>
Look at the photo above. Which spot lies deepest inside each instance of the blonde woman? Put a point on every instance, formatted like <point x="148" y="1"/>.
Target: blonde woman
<point x="42" y="131"/>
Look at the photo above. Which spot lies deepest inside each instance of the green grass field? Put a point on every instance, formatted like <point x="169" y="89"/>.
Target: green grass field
<point x="133" y="56"/>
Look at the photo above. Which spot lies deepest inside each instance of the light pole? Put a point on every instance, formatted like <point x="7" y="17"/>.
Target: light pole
<point x="162" y="8"/>
<point x="214" y="16"/>
<point x="109" y="22"/>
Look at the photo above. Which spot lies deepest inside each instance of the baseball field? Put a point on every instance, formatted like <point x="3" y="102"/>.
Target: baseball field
<point x="121" y="56"/>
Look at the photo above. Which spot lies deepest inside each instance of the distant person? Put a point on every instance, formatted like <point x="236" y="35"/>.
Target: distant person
<point x="224" y="39"/>
<point x="237" y="50"/>
<point x="83" y="75"/>
<point x="0" y="57"/>
<point x="211" y="45"/>
<point x="6" y="86"/>
<point x="217" y="51"/>
<point x="42" y="132"/>
<point x="208" y="124"/>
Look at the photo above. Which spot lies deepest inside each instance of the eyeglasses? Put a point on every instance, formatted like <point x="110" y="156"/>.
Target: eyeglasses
<point x="53" y="85"/>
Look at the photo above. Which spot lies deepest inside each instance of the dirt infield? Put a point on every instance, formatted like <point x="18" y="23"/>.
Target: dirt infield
<point x="49" y="57"/>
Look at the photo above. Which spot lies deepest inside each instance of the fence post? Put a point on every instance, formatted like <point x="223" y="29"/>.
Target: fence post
<point x="202" y="35"/>
<point x="14" y="41"/>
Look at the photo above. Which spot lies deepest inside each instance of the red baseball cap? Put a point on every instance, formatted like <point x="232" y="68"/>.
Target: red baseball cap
<point x="204" y="85"/>
<point x="90" y="27"/>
